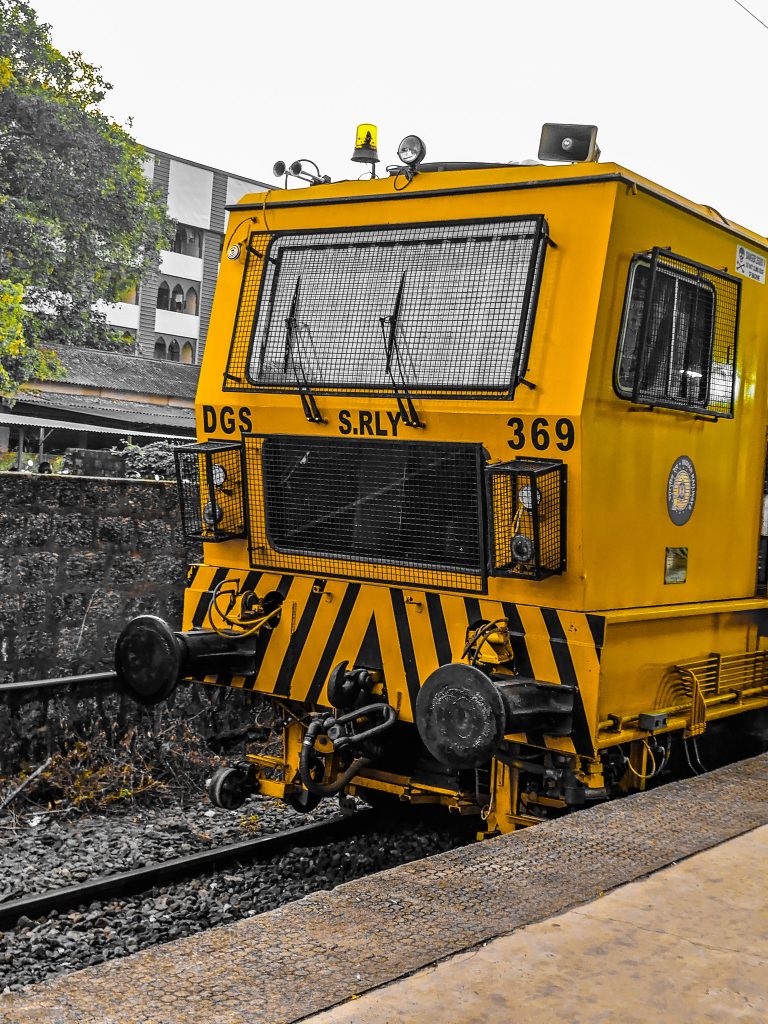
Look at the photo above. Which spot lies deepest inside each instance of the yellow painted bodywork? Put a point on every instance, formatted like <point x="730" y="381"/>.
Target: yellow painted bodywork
<point x="618" y="527"/>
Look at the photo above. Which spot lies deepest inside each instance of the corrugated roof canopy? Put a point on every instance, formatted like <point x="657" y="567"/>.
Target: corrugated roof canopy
<point x="122" y="410"/>
<point x="90" y="367"/>
<point x="12" y="419"/>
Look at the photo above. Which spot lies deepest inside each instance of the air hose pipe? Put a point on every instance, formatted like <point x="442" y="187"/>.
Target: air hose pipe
<point x="305" y="765"/>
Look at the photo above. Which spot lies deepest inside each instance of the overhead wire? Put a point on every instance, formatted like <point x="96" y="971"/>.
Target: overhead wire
<point x="750" y="13"/>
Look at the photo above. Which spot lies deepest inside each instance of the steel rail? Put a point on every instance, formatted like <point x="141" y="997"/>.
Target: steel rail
<point x="130" y="883"/>
<point x="32" y="685"/>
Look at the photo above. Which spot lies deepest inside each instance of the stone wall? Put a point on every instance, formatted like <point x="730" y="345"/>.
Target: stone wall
<point x="78" y="558"/>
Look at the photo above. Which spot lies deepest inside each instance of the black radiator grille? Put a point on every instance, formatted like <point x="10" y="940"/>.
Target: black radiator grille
<point x="407" y="512"/>
<point x="428" y="307"/>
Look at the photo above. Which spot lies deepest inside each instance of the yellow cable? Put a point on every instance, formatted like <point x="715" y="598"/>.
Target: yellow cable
<point x="485" y="812"/>
<point x="639" y="775"/>
<point x="240" y="628"/>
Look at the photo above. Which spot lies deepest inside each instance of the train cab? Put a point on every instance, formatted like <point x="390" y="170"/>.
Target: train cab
<point x="479" y="483"/>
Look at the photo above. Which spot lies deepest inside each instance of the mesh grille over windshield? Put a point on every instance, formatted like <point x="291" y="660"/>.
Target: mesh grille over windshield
<point x="431" y="308"/>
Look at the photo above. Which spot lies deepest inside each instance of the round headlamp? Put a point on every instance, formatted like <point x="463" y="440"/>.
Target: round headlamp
<point x="411" y="151"/>
<point x="527" y="495"/>
<point x="219" y="474"/>
<point x="522" y="548"/>
<point x="212" y="513"/>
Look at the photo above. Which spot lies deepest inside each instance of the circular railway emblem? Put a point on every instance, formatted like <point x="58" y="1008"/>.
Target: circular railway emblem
<point x="681" y="490"/>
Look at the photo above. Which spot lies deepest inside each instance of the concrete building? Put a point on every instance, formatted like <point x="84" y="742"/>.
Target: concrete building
<point x="101" y="399"/>
<point x="105" y="396"/>
<point x="167" y="315"/>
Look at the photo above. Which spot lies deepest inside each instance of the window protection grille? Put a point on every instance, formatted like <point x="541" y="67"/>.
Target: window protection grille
<point x="677" y="346"/>
<point x="432" y="308"/>
<point x="389" y="511"/>
<point x="527" y="499"/>
<point x="209" y="477"/>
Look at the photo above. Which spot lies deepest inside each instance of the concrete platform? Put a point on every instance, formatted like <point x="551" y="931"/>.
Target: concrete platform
<point x="323" y="950"/>
<point x="689" y="943"/>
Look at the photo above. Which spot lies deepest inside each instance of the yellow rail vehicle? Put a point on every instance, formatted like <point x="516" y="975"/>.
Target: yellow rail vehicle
<point x="480" y="484"/>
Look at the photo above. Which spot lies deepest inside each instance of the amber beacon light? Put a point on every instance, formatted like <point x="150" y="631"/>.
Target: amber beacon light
<point x="365" y="151"/>
<point x="366" y="144"/>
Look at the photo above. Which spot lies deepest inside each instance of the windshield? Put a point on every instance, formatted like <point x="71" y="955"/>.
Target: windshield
<point x="425" y="307"/>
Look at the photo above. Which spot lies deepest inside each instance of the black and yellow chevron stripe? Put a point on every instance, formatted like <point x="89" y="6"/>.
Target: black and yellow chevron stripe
<point x="410" y="632"/>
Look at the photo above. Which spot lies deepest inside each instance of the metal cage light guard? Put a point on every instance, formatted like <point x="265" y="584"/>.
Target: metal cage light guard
<point x="210" y="480"/>
<point x="527" y="513"/>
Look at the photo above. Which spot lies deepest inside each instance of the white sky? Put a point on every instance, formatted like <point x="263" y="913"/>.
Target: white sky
<point x="676" y="87"/>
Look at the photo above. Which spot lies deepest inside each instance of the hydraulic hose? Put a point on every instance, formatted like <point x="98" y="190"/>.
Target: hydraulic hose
<point x="305" y="770"/>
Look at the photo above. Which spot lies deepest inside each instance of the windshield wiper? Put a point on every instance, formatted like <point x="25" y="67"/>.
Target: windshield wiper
<point x="292" y="356"/>
<point x="391" y="348"/>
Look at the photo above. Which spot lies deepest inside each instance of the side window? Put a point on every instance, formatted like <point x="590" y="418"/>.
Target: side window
<point x="188" y="241"/>
<point x="677" y="345"/>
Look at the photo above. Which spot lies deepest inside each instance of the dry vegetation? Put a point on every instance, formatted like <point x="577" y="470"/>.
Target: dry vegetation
<point x="97" y="761"/>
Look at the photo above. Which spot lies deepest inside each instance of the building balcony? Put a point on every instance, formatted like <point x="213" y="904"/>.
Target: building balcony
<point x="120" y="314"/>
<point x="176" y="264"/>
<point x="182" y="325"/>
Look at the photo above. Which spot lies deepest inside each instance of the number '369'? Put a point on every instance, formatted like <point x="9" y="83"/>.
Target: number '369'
<point x="539" y="433"/>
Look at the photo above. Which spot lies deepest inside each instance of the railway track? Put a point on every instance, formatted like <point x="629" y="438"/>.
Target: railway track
<point x="140" y="880"/>
<point x="28" y="689"/>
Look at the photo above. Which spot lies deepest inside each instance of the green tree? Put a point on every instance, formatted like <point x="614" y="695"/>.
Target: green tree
<point x="18" y="360"/>
<point x="79" y="221"/>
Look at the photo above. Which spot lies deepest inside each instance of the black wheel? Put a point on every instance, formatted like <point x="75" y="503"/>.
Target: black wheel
<point x="229" y="788"/>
